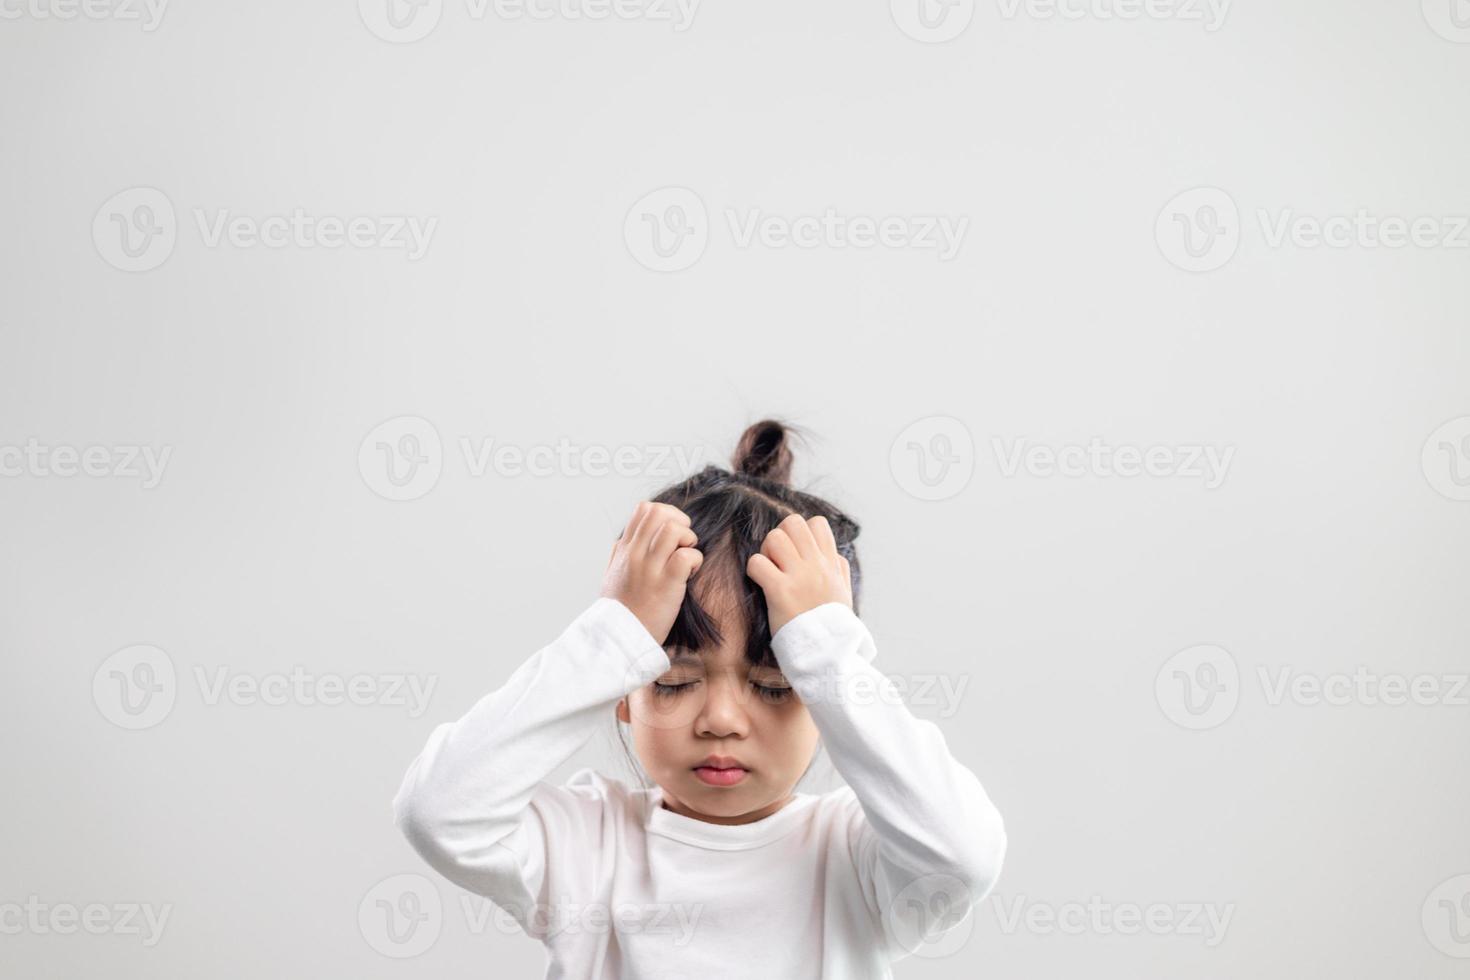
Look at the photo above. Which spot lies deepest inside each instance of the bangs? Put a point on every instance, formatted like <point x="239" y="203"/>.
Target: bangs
<point x="721" y="592"/>
<point x="731" y="514"/>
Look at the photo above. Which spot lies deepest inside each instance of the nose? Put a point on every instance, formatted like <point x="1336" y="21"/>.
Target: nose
<point x="723" y="713"/>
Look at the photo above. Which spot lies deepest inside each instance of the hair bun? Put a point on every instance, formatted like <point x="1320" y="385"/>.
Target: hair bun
<point x="763" y="452"/>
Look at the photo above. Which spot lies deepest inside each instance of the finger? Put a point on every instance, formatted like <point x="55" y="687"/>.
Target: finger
<point x="801" y="535"/>
<point x="672" y="513"/>
<point x="686" y="561"/>
<point x="762" y="570"/>
<point x="651" y="517"/>
<point x="667" y="538"/>
<point x="779" y="548"/>
<point x="822" y="532"/>
<point x="635" y="523"/>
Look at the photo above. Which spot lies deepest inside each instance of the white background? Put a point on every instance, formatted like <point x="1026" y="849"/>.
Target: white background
<point x="1330" y="545"/>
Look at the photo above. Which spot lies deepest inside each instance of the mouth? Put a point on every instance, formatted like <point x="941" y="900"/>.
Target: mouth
<point x="720" y="771"/>
<point x="719" y="777"/>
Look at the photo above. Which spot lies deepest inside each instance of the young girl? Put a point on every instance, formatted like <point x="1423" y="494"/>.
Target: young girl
<point x="726" y="639"/>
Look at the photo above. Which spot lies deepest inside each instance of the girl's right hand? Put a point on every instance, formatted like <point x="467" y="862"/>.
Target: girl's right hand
<point x="650" y="565"/>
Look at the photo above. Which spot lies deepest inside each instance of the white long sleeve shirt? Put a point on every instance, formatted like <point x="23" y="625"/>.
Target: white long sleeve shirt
<point x="617" y="887"/>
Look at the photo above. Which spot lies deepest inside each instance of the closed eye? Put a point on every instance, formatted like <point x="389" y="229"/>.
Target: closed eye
<point x="771" y="695"/>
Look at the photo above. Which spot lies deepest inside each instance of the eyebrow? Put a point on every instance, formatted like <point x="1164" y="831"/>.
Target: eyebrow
<point x="696" y="657"/>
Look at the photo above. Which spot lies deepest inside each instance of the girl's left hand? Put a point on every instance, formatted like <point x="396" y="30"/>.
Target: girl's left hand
<point x="798" y="568"/>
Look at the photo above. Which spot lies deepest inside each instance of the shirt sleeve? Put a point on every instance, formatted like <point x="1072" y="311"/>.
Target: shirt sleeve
<point x="475" y="804"/>
<point x="932" y="843"/>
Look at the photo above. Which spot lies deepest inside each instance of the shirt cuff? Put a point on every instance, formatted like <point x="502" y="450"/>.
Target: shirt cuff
<point x="608" y="621"/>
<point x="825" y="629"/>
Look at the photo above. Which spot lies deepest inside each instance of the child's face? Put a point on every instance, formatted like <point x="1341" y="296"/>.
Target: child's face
<point x="714" y="703"/>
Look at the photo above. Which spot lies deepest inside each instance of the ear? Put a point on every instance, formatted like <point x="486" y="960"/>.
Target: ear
<point x="622" y="711"/>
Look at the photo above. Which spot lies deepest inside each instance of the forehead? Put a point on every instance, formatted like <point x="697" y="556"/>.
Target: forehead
<point x="723" y="655"/>
<point x="724" y="660"/>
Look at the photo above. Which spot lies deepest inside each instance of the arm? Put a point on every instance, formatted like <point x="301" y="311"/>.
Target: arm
<point x="933" y="843"/>
<point x="475" y="804"/>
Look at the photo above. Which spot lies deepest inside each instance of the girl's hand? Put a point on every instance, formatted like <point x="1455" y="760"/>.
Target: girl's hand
<point x="798" y="568"/>
<point x="650" y="565"/>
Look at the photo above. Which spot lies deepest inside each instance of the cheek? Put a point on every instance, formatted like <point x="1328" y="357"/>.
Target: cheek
<point x="657" y="737"/>
<point x="659" y="715"/>
<point x="791" y="733"/>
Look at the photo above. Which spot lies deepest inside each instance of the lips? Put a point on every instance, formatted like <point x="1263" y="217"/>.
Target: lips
<point x="720" y="770"/>
<point x="720" y="762"/>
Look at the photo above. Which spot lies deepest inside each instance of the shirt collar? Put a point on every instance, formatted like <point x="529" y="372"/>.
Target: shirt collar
<point x="724" y="837"/>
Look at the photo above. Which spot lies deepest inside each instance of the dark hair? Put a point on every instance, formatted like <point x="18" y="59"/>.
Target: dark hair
<point x="732" y="512"/>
